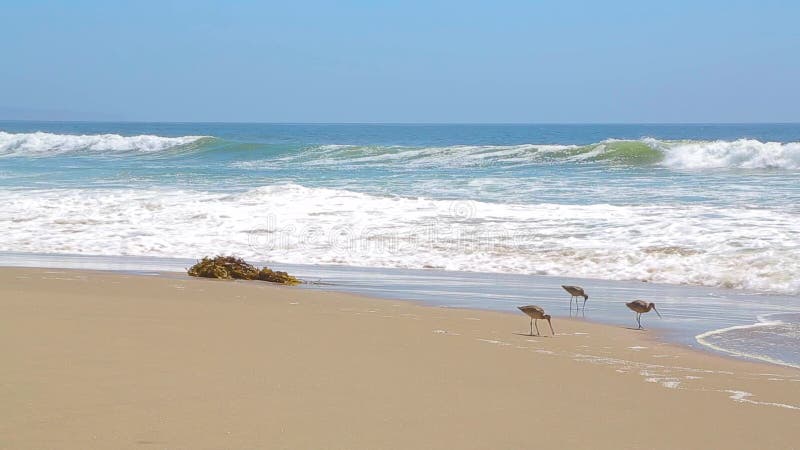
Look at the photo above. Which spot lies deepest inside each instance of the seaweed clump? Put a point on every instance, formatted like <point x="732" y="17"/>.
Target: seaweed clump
<point x="231" y="267"/>
<point x="276" y="276"/>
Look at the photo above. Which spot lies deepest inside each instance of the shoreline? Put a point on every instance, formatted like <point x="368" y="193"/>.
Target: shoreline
<point x="103" y="359"/>
<point x="703" y="339"/>
<point x="692" y="312"/>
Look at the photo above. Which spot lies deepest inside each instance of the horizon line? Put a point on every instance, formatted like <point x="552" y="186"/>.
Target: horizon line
<point x="395" y="123"/>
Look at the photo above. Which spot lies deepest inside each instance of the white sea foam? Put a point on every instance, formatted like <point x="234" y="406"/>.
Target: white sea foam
<point x="742" y="154"/>
<point x="744" y="397"/>
<point x="704" y="245"/>
<point x="671" y="383"/>
<point x="41" y="144"/>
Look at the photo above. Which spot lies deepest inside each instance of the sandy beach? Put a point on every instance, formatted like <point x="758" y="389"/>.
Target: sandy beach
<point x="317" y="225"/>
<point x="108" y="360"/>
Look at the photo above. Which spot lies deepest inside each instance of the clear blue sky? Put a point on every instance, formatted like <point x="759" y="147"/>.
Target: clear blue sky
<point x="403" y="61"/>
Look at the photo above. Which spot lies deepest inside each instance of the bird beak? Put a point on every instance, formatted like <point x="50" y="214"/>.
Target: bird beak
<point x="551" y="327"/>
<point x="659" y="314"/>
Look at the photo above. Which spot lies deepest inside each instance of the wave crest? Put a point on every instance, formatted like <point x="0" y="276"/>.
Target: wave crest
<point x="40" y="144"/>
<point x="681" y="155"/>
<point x="739" y="154"/>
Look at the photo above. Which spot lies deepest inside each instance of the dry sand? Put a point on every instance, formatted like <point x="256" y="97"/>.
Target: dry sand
<point x="100" y="360"/>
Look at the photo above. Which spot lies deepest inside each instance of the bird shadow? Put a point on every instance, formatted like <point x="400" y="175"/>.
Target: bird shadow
<point x="532" y="335"/>
<point x="634" y="329"/>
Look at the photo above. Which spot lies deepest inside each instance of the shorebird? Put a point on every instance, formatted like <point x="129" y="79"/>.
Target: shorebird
<point x="575" y="292"/>
<point x="536" y="313"/>
<point x="640" y="307"/>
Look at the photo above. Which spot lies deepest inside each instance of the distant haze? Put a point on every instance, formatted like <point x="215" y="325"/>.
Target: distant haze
<point x="417" y="62"/>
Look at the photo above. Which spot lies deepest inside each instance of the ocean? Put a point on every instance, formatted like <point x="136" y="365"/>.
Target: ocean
<point x="703" y="206"/>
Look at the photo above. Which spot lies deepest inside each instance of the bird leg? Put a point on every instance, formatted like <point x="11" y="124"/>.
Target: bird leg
<point x="531" y="326"/>
<point x="537" y="326"/>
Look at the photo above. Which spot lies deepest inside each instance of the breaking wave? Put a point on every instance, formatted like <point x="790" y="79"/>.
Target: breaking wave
<point x="42" y="144"/>
<point x="741" y="154"/>
<point x="682" y="155"/>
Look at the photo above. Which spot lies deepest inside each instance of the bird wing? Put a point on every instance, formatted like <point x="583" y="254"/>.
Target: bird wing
<point x="637" y="305"/>
<point x="531" y="309"/>
<point x="574" y="290"/>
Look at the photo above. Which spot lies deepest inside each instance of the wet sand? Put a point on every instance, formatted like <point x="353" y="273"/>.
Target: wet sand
<point x="104" y="360"/>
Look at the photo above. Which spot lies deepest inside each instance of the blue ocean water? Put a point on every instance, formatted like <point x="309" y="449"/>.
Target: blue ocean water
<point x="706" y="205"/>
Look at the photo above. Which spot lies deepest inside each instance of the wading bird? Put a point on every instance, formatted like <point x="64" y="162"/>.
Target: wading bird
<point x="536" y="313"/>
<point x="575" y="292"/>
<point x="640" y="307"/>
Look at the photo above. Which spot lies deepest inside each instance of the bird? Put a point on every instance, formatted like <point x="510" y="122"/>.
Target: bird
<point x="640" y="307"/>
<point x="536" y="313"/>
<point x="575" y="292"/>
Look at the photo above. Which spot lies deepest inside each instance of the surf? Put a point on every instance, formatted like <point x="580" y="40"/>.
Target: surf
<point x="40" y="144"/>
<point x="697" y="155"/>
<point x="678" y="155"/>
<point x="292" y="223"/>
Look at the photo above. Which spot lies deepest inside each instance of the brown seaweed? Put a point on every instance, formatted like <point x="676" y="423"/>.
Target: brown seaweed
<point x="231" y="267"/>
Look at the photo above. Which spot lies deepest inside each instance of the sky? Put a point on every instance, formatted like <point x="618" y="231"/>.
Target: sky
<point x="401" y="61"/>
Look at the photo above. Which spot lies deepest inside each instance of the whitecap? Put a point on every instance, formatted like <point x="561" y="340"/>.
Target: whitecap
<point x="40" y="144"/>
